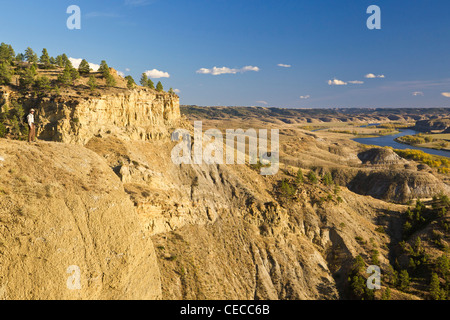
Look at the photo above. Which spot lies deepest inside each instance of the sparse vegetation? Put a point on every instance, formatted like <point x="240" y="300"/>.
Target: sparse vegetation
<point x="92" y="83"/>
<point x="312" y="177"/>
<point x="357" y="281"/>
<point x="442" y="164"/>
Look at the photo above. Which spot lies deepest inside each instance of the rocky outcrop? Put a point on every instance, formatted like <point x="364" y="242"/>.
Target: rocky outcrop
<point x="397" y="185"/>
<point x="380" y="156"/>
<point x="138" y="114"/>
<point x="434" y="125"/>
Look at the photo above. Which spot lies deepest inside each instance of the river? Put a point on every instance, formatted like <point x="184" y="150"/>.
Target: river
<point x="388" y="141"/>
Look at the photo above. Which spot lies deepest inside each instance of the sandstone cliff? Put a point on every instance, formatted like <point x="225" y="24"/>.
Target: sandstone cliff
<point x="139" y="114"/>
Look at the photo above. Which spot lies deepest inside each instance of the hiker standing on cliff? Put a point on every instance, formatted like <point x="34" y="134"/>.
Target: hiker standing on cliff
<point x="31" y="126"/>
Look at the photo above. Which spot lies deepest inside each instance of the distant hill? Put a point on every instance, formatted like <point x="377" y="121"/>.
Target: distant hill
<point x="434" y="125"/>
<point x="288" y="115"/>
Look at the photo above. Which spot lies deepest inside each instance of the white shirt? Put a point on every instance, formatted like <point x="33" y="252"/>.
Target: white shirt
<point x="30" y="119"/>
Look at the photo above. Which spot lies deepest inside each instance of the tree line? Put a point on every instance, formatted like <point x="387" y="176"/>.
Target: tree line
<point x="26" y="66"/>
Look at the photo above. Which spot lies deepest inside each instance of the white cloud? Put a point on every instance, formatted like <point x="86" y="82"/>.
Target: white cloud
<point x="373" y="76"/>
<point x="336" y="82"/>
<point x="76" y="64"/>
<point x="305" y="97"/>
<point x="262" y="102"/>
<point x="120" y="73"/>
<point x="284" y="65"/>
<point x="225" y="70"/>
<point x="446" y="94"/>
<point x="356" y="82"/>
<point x="157" y="74"/>
<point x="176" y="90"/>
<point x="417" y="93"/>
<point x="249" y="68"/>
<point x="127" y="69"/>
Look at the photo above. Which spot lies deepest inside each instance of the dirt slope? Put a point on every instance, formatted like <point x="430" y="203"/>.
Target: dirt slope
<point x="62" y="206"/>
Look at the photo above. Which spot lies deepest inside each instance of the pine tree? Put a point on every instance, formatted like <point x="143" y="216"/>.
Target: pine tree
<point x="27" y="78"/>
<point x="312" y="177"/>
<point x="30" y="55"/>
<point x="418" y="246"/>
<point x="443" y="265"/>
<point x="60" y="61"/>
<point x="20" y="57"/>
<point x="5" y="74"/>
<point x="159" y="87"/>
<point x="327" y="179"/>
<point x="150" y="84"/>
<point x="130" y="82"/>
<point x="84" y="67"/>
<point x="7" y="53"/>
<point x="144" y="80"/>
<point x="2" y="130"/>
<point x="358" y="286"/>
<point x="435" y="289"/>
<point x="45" y="58"/>
<point x="386" y="294"/>
<point x="57" y="91"/>
<point x="286" y="189"/>
<point x="171" y="91"/>
<point x="392" y="275"/>
<point x="92" y="83"/>
<point x="33" y="69"/>
<point x="404" y="280"/>
<point x="42" y="86"/>
<point x="68" y="64"/>
<point x="407" y="228"/>
<point x="110" y="81"/>
<point x="299" y="177"/>
<point x="374" y="257"/>
<point x="65" y="61"/>
<point x="15" y="127"/>
<point x="74" y="74"/>
<point x="104" y="69"/>
<point x="358" y="265"/>
<point x="65" y="77"/>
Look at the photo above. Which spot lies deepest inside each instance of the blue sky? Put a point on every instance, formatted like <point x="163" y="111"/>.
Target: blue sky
<point x="255" y="52"/>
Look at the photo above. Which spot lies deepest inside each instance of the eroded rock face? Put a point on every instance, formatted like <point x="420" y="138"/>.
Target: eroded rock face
<point x="138" y="114"/>
<point x="380" y="156"/>
<point x="438" y="125"/>
<point x="219" y="232"/>
<point x="398" y="186"/>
